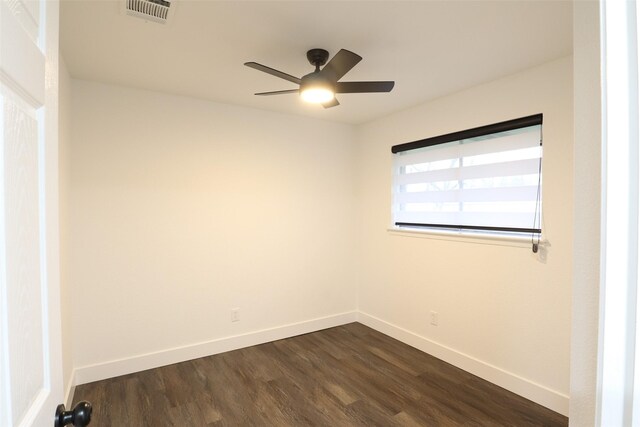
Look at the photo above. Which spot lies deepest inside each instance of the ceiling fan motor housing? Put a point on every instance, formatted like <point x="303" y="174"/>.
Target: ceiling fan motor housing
<point x="317" y="80"/>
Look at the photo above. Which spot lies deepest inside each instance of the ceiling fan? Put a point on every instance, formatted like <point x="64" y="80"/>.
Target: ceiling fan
<point x="321" y="85"/>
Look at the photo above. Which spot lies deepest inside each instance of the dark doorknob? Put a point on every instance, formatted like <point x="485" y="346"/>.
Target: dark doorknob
<point x="79" y="416"/>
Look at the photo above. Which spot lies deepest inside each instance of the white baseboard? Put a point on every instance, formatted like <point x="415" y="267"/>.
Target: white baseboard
<point x="115" y="368"/>
<point x="538" y="393"/>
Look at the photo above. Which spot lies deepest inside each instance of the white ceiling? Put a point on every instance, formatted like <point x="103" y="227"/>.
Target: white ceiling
<point x="430" y="48"/>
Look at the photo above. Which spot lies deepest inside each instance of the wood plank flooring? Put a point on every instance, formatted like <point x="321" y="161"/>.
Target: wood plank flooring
<point x="350" y="375"/>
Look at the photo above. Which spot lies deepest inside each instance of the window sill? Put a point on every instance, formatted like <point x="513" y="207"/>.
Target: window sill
<point x="467" y="237"/>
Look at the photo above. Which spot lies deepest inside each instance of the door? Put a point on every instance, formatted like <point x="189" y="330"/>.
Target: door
<point x="30" y="353"/>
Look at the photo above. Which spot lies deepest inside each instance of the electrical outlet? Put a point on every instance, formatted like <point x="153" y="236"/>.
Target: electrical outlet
<point x="434" y="318"/>
<point x="235" y="314"/>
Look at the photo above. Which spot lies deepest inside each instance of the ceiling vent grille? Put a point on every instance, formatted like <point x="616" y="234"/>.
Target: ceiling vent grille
<point x="150" y="10"/>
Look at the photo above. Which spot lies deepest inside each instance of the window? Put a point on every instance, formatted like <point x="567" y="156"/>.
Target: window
<point x="486" y="178"/>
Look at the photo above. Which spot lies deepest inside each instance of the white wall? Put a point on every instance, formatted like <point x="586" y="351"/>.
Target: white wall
<point x="504" y="312"/>
<point x="183" y="209"/>
<point x="587" y="176"/>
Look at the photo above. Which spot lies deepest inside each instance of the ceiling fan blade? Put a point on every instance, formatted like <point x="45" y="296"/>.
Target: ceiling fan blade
<point x="340" y="64"/>
<point x="363" y="87"/>
<point x="272" y="71"/>
<point x="331" y="103"/>
<point x="278" y="92"/>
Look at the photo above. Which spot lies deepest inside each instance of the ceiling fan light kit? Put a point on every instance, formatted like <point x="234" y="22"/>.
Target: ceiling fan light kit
<point x="317" y="95"/>
<point x="316" y="88"/>
<point x="321" y="85"/>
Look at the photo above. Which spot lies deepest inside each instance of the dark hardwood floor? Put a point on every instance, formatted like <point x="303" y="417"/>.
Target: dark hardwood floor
<point x="345" y="376"/>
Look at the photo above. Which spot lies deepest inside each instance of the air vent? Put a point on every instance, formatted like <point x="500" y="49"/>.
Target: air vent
<point x="150" y="10"/>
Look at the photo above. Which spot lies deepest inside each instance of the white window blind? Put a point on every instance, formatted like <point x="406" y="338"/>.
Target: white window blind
<point x="486" y="178"/>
